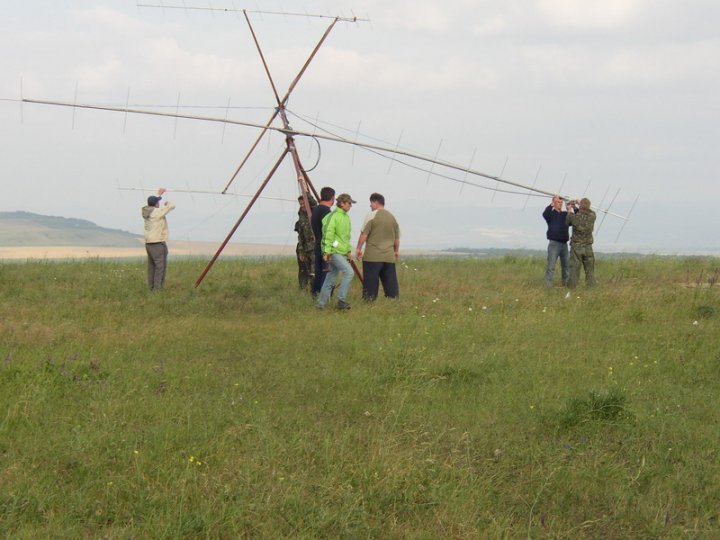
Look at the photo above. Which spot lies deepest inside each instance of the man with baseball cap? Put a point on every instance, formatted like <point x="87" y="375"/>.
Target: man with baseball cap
<point x="336" y="251"/>
<point x="156" y="234"/>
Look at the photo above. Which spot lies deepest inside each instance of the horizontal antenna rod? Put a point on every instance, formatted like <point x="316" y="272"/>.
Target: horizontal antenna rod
<point x="294" y="133"/>
<point x="201" y="192"/>
<point x="260" y="12"/>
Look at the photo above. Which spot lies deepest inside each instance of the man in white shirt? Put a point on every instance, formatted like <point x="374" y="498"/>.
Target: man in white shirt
<point x="156" y="235"/>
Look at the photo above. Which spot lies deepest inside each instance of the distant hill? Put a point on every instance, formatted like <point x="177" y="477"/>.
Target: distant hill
<point x="27" y="229"/>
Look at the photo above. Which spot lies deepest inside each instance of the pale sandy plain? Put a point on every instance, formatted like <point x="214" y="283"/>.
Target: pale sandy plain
<point x="177" y="249"/>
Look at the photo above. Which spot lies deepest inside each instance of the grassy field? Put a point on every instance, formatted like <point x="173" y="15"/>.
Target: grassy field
<point x="479" y="404"/>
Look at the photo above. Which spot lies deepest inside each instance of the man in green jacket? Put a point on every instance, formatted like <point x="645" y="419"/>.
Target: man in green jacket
<point x="336" y="252"/>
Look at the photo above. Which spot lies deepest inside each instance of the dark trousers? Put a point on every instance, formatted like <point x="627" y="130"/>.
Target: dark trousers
<point x="319" y="278"/>
<point x="157" y="253"/>
<point x="375" y="273"/>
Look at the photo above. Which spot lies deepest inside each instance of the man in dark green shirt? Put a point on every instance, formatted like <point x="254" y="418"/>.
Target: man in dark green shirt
<point x="382" y="235"/>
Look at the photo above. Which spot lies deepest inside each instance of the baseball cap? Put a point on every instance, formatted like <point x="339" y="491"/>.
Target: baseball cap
<point x="343" y="198"/>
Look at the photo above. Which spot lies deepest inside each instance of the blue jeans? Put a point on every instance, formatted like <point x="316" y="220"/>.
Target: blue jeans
<point x="555" y="250"/>
<point x="338" y="264"/>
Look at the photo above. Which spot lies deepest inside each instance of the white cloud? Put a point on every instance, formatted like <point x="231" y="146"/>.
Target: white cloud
<point x="101" y="76"/>
<point x="105" y="19"/>
<point x="590" y="13"/>
<point x="671" y="63"/>
<point x="491" y="26"/>
<point x="390" y="74"/>
<point x="423" y="16"/>
<point x="503" y="234"/>
<point x="581" y="66"/>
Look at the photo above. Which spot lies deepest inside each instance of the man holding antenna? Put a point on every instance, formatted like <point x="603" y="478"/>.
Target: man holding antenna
<point x="582" y="222"/>
<point x="156" y="235"/>
<point x="558" y="234"/>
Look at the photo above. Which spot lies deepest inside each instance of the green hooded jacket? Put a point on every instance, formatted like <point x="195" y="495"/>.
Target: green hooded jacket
<point x="336" y="233"/>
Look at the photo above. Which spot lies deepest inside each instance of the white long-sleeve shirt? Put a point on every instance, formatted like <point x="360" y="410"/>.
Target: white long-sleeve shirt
<point x="156" y="228"/>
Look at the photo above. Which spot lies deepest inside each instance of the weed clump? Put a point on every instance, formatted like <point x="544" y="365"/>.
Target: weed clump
<point x="706" y="312"/>
<point x="459" y="375"/>
<point x="596" y="407"/>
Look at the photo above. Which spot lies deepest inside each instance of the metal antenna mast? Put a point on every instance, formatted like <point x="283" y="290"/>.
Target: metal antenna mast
<point x="303" y="180"/>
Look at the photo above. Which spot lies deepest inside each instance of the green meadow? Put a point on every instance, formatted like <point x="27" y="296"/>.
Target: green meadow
<point x="479" y="404"/>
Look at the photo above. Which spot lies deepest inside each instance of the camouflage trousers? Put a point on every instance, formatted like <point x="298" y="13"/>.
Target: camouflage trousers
<point x="306" y="271"/>
<point x="582" y="256"/>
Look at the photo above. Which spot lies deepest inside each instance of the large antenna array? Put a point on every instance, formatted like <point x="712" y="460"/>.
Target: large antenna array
<point x="304" y="183"/>
<point x="387" y="151"/>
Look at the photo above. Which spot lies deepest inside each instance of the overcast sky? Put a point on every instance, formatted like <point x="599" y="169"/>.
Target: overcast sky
<point x="611" y="99"/>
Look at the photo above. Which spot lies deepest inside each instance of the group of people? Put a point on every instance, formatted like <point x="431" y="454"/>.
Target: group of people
<point x="581" y="217"/>
<point x="325" y="254"/>
<point x="329" y="233"/>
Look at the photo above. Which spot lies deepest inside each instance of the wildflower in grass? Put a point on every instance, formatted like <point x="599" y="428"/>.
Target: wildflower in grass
<point x="484" y="308"/>
<point x="695" y="323"/>
<point x="469" y="309"/>
<point x="544" y="310"/>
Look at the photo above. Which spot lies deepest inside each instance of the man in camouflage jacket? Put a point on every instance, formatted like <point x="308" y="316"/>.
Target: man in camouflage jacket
<point x="582" y="221"/>
<point x="306" y="244"/>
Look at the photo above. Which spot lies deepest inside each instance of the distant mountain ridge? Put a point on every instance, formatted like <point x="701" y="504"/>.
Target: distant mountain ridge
<point x="28" y="229"/>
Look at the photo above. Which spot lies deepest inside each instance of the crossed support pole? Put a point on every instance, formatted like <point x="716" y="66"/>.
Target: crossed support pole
<point x="305" y="186"/>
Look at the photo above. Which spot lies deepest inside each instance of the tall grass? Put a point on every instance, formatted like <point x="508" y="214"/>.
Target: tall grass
<point x="479" y="404"/>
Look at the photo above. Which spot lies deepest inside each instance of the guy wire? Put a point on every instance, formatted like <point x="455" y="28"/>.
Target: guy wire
<point x="410" y="165"/>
